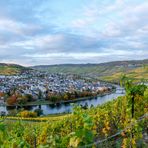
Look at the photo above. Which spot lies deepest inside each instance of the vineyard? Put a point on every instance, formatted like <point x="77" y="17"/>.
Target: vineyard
<point x="118" y="123"/>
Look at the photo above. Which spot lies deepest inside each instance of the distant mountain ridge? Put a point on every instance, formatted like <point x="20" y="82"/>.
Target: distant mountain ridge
<point x="112" y="63"/>
<point x="110" y="71"/>
<point x="107" y="71"/>
<point x="92" y="68"/>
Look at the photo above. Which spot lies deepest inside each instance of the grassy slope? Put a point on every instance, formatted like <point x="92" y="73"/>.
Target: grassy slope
<point x="80" y="69"/>
<point x="137" y="74"/>
<point x="110" y="71"/>
<point x="10" y="69"/>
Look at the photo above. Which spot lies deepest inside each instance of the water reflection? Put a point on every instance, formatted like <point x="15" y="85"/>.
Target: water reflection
<point x="67" y="107"/>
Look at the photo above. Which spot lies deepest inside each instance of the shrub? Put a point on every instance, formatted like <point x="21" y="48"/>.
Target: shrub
<point x="26" y="113"/>
<point x="11" y="100"/>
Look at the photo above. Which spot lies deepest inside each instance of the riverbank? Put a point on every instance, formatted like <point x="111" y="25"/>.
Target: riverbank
<point x="45" y="102"/>
<point x="61" y="108"/>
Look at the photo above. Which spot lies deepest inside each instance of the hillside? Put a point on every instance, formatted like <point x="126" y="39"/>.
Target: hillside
<point x="11" y="69"/>
<point x="110" y="71"/>
<point x="98" y="69"/>
<point x="140" y="73"/>
<point x="106" y="71"/>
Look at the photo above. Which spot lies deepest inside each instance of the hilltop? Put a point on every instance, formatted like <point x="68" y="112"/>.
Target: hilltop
<point x="11" y="69"/>
<point x="101" y="68"/>
<point x="110" y="71"/>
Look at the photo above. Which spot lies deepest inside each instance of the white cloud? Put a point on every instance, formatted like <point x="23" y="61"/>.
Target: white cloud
<point x="12" y="26"/>
<point x="70" y="55"/>
<point x="80" y="23"/>
<point x="112" y="30"/>
<point x="44" y="42"/>
<point x="87" y="55"/>
<point x="143" y="30"/>
<point x="102" y="31"/>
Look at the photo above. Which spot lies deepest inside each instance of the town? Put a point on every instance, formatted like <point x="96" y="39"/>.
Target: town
<point x="31" y="86"/>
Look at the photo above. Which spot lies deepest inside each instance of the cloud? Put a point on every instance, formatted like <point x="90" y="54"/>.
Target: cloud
<point x="95" y="57"/>
<point x="16" y="27"/>
<point x="41" y="42"/>
<point x="42" y="32"/>
<point x="112" y="30"/>
<point x="79" y="23"/>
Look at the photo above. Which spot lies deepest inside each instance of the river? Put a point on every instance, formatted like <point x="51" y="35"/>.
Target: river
<point x="67" y="107"/>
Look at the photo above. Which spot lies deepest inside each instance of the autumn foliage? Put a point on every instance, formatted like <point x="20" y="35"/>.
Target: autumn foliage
<point x="26" y="114"/>
<point x="12" y="100"/>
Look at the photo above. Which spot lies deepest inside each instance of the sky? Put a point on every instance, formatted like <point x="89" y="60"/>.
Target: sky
<point x="46" y="32"/>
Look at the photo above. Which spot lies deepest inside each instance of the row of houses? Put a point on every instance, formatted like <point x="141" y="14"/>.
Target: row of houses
<point x="36" y="83"/>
